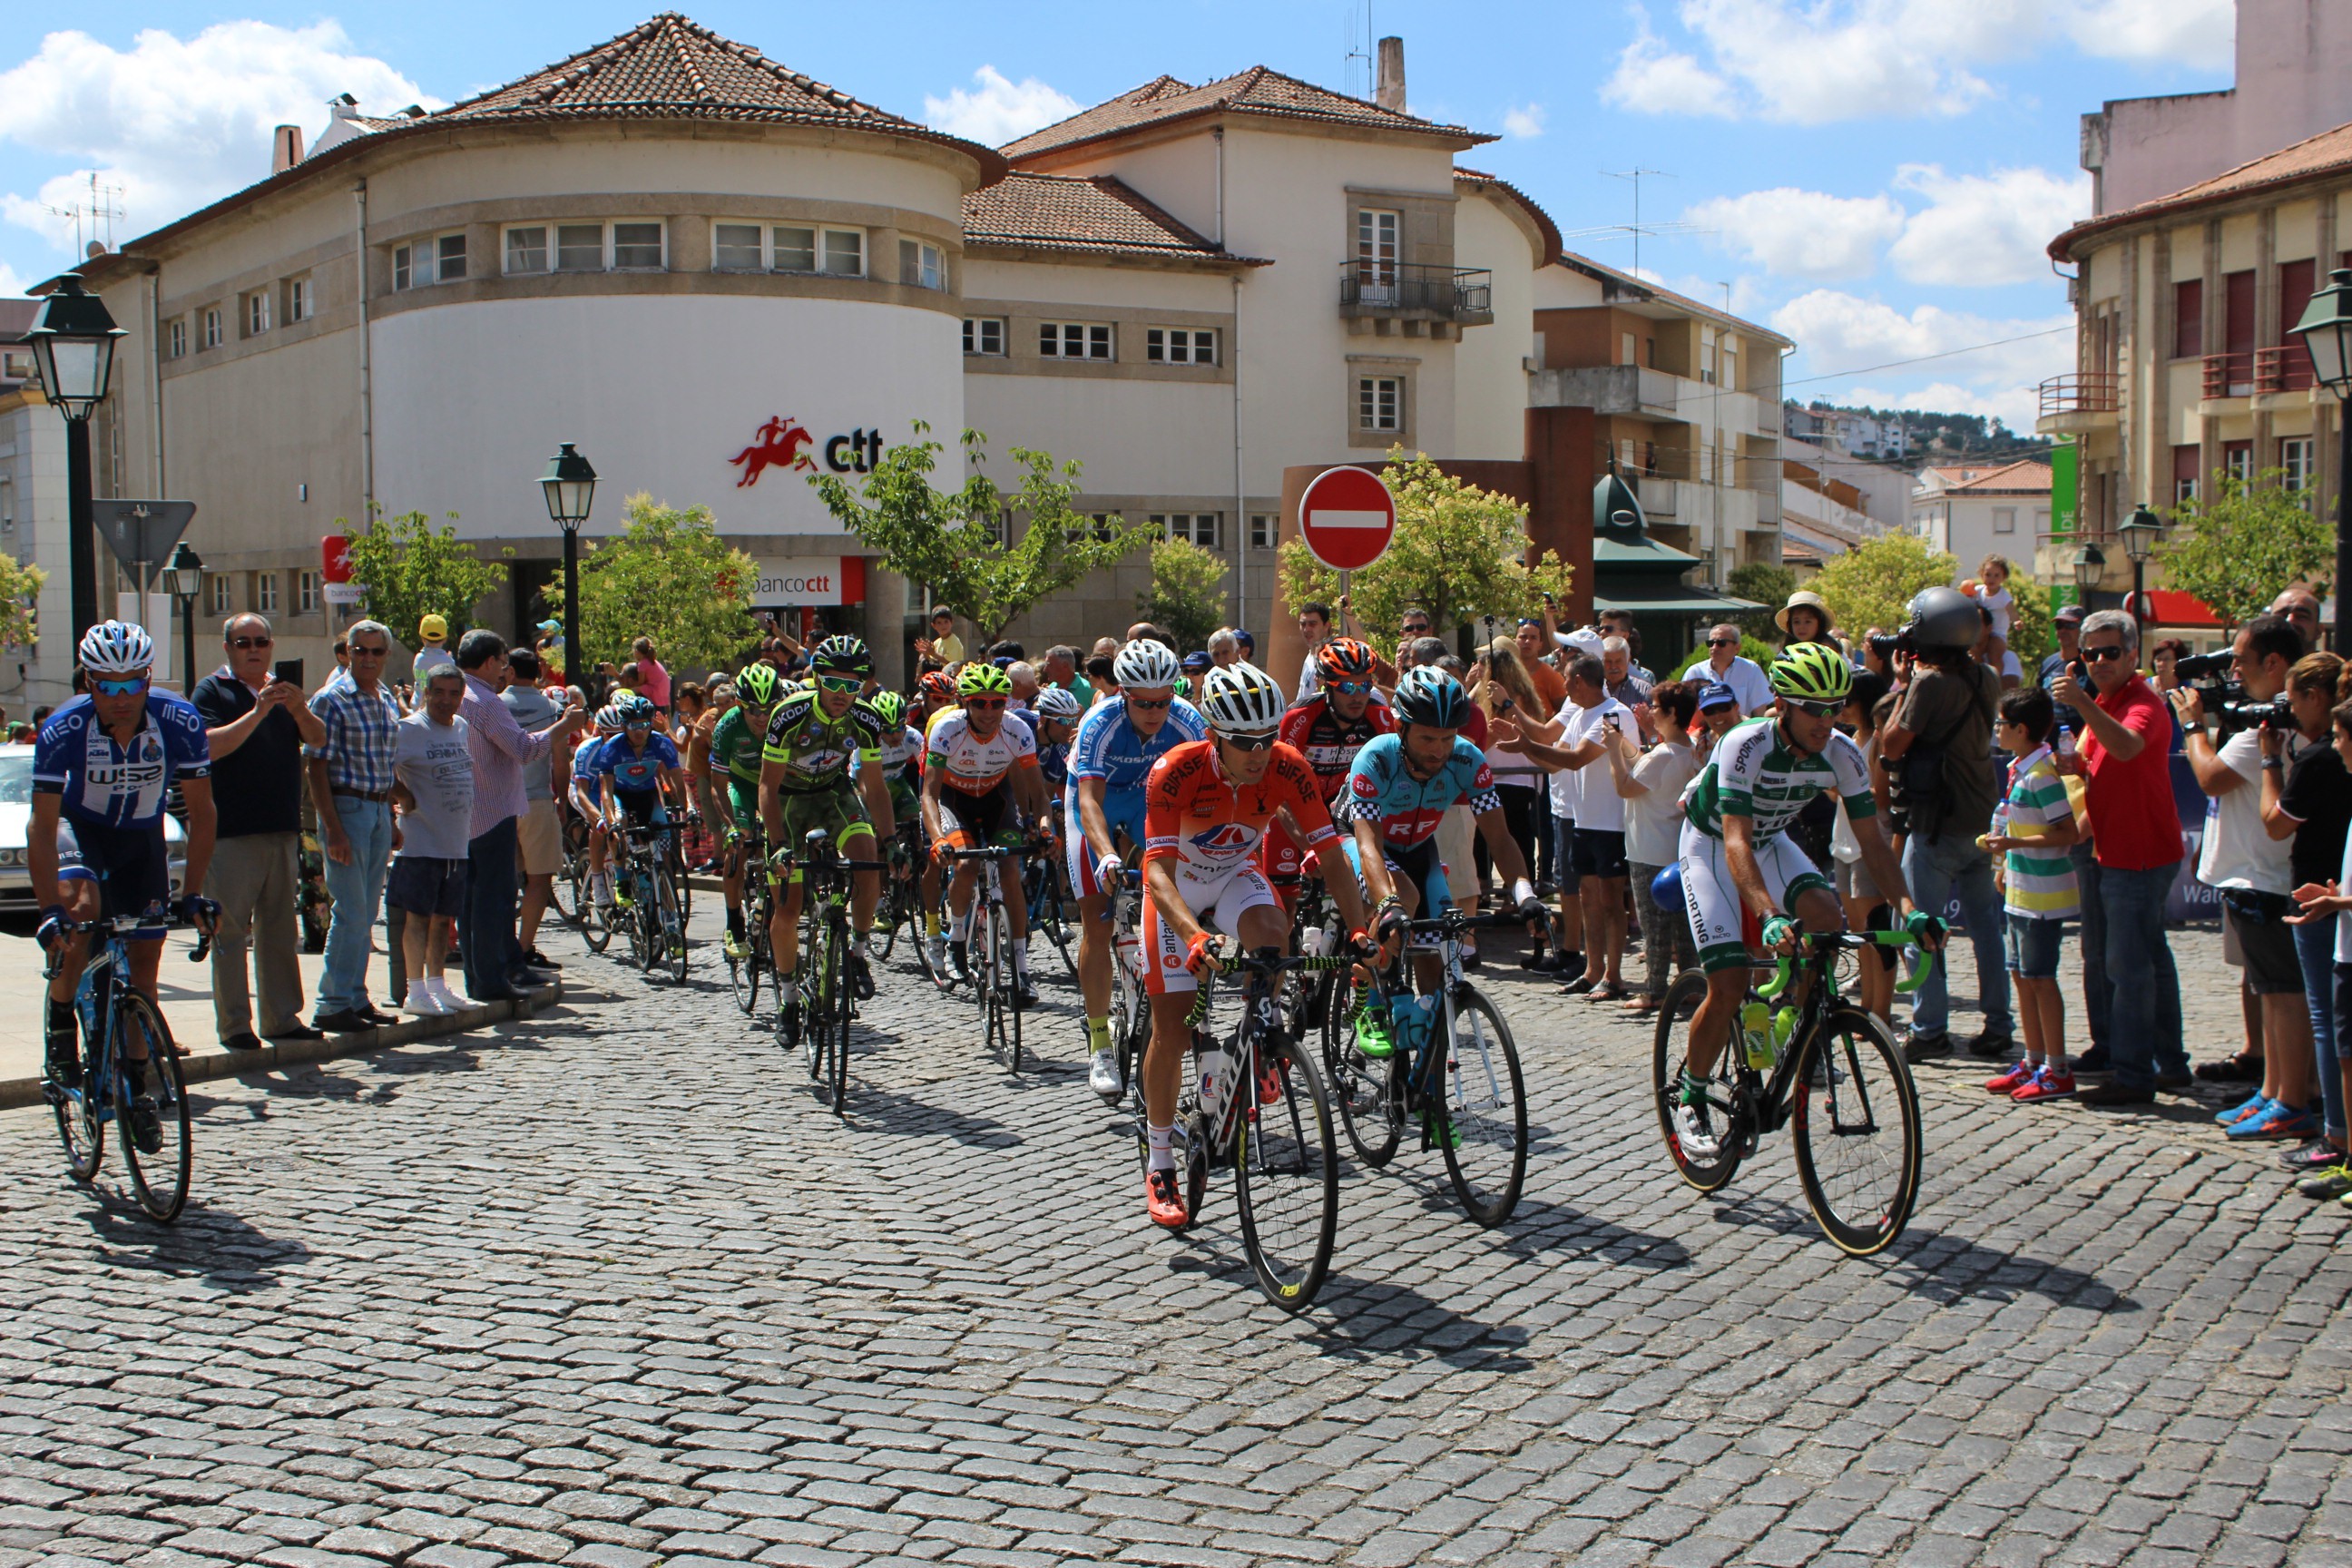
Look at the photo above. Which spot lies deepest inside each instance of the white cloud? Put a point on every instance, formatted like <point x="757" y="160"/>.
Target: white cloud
<point x="1652" y="78"/>
<point x="1981" y="229"/>
<point x="178" y="123"/>
<point x="2183" y="32"/>
<point x="1803" y="234"/>
<point x="1000" y="109"/>
<point x="1840" y="334"/>
<point x="1525" y="123"/>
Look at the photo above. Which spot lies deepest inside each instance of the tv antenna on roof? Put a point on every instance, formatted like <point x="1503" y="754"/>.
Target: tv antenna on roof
<point x="97" y="211"/>
<point x="1637" y="228"/>
<point x="1359" y="49"/>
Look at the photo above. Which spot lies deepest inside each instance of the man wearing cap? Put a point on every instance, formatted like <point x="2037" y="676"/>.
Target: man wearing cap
<point x="432" y="633"/>
<point x="2068" y="623"/>
<point x="1726" y="667"/>
<point x="1719" y="710"/>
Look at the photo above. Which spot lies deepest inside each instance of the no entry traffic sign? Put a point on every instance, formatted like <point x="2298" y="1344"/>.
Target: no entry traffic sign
<point x="1346" y="518"/>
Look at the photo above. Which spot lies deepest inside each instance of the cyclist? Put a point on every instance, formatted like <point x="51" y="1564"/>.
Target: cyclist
<point x="1052" y="722"/>
<point x="902" y="753"/>
<point x="632" y="767"/>
<point x="586" y="796"/>
<point x="1118" y="742"/>
<point x="102" y="766"/>
<point x="1399" y="789"/>
<point x="1208" y="805"/>
<point x="1328" y="729"/>
<point x="804" y="783"/>
<point x="980" y="780"/>
<point x="1737" y="855"/>
<point x="737" y="747"/>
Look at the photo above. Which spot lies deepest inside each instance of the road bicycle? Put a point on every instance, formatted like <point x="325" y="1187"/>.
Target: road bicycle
<point x="645" y="900"/>
<point x="746" y="845"/>
<point x="1257" y="1108"/>
<point x="1130" y="1008"/>
<point x="902" y="896"/>
<point x="113" y="1015"/>
<point x="1052" y="913"/>
<point x="1825" y="1069"/>
<point x="989" y="954"/>
<point x="1455" y="1066"/>
<point x="593" y="920"/>
<point x="826" y="1002"/>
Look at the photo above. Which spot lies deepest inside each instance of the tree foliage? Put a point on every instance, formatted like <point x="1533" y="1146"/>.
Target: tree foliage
<point x="670" y="577"/>
<point x="407" y="569"/>
<point x="1873" y="584"/>
<point x="955" y="542"/>
<point x="2030" y="635"/>
<point x="20" y="587"/>
<point x="2237" y="542"/>
<point x="1187" y="596"/>
<point x="1767" y="583"/>
<point x="1460" y="551"/>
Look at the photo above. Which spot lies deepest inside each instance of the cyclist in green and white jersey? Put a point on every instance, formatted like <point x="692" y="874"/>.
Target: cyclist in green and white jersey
<point x="1737" y="855"/>
<point x="737" y="747"/>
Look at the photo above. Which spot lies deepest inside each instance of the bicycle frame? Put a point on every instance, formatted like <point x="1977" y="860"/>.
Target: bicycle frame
<point x="1772" y="1109"/>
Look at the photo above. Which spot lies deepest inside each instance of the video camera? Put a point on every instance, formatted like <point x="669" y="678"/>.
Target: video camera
<point x="2207" y="674"/>
<point x="1886" y="645"/>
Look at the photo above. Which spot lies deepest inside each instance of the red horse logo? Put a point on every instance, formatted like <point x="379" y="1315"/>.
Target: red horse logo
<point x="778" y="444"/>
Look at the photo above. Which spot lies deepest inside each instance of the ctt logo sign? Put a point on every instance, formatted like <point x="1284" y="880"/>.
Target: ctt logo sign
<point x="785" y="443"/>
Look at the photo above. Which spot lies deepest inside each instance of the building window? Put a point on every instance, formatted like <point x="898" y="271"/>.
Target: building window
<point x="580" y="247"/>
<point x="1106" y="524"/>
<point x="845" y="252"/>
<point x="449" y="259"/>
<point x="795" y="250"/>
<point x="218" y="596"/>
<point x="923" y="266"/>
<point x="213" y="328"/>
<point x="1179" y="345"/>
<point x="983" y="334"/>
<point x="527" y="248"/>
<point x="1072" y="340"/>
<point x="637" y="248"/>
<point x="839" y="252"/>
<point x="2005" y="519"/>
<point x="299" y="302"/>
<point x="437" y="260"/>
<point x="1199" y="527"/>
<point x="1377" y="234"/>
<point x="2238" y="458"/>
<point x="403" y="266"/>
<point x="2189" y="318"/>
<point x="735" y="247"/>
<point x="1264" y="529"/>
<point x="2185" y="463"/>
<point x="305" y="592"/>
<point x="256" y="313"/>
<point x="265" y="593"/>
<point x="178" y="339"/>
<point x="1380" y="403"/>
<point x="2294" y="456"/>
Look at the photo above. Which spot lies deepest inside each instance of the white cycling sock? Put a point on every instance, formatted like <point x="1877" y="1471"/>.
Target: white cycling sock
<point x="960" y="925"/>
<point x="1163" y="1147"/>
<point x="1020" y="960"/>
<point x="790" y="990"/>
<point x="857" y="942"/>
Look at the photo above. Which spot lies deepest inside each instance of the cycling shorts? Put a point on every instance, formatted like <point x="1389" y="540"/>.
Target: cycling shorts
<point x="1122" y="811"/>
<point x="743" y="802"/>
<point x="1219" y="905"/>
<point x="132" y="870"/>
<point x="838" y="810"/>
<point x="643" y="806"/>
<point x="1416" y="863"/>
<point x="1716" y="910"/>
<point x="978" y="821"/>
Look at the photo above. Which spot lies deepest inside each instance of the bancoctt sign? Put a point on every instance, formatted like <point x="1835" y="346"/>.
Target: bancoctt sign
<point x="785" y="443"/>
<point x="810" y="580"/>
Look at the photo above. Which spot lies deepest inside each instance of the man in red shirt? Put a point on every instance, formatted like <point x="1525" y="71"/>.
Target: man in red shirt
<point x="2136" y="847"/>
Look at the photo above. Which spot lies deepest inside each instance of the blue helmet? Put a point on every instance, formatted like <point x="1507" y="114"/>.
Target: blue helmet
<point x="1427" y="695"/>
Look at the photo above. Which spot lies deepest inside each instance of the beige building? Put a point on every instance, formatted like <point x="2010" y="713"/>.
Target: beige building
<point x="1970" y="511"/>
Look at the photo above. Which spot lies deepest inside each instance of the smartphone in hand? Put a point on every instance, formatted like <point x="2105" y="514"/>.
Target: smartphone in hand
<point x="289" y="670"/>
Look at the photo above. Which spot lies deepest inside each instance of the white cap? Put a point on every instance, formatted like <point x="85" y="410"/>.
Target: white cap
<point x="1584" y="640"/>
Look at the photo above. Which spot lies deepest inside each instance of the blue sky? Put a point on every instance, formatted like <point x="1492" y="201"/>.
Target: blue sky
<point x="1875" y="178"/>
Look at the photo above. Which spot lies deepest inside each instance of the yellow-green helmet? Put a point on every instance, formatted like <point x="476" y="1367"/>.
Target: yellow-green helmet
<point x="977" y="679"/>
<point x="756" y="684"/>
<point x="1812" y="672"/>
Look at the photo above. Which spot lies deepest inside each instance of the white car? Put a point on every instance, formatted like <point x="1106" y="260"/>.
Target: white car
<point x="16" y="814"/>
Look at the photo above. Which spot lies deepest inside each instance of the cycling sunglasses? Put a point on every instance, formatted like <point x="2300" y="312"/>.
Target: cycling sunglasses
<point x="1349" y="688"/>
<point x="1249" y="743"/>
<point x="131" y="686"/>
<point x="984" y="704"/>
<point x="1154" y="702"/>
<point x="840" y="683"/>
<point x="1818" y="709"/>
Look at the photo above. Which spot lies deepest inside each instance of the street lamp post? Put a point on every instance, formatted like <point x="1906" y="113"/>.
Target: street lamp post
<point x="183" y="579"/>
<point x="2140" y="532"/>
<point x="2326" y="333"/>
<point x="2090" y="565"/>
<point x="72" y="339"/>
<point x="569" y="485"/>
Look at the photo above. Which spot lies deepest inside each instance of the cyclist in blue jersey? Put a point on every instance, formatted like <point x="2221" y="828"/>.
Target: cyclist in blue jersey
<point x="1399" y="788"/>
<point x="102" y="765"/>
<point x="585" y="793"/>
<point x="1117" y="742"/>
<point x="631" y="767"/>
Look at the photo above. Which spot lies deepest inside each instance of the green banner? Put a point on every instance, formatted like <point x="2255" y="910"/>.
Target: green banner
<point x="2063" y="484"/>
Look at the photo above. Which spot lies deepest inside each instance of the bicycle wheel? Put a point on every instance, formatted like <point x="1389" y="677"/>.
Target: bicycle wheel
<point x="1005" y="981"/>
<point x="594" y="928"/>
<point x="744" y="974"/>
<point x="562" y="895"/>
<point x="669" y="918"/>
<point x="1857" y="1133"/>
<point x="1287" y="1179"/>
<point x="840" y="1006"/>
<point x="987" y="982"/>
<point x="1369" y="1093"/>
<point x="79" y="1127"/>
<point x="160" y="1177"/>
<point x="1483" y="1112"/>
<point x="885" y="938"/>
<point x="1706" y="1169"/>
<point x="1045" y="916"/>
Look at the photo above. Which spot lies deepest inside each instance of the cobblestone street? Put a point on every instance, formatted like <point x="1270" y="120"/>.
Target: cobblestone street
<point x="612" y="1287"/>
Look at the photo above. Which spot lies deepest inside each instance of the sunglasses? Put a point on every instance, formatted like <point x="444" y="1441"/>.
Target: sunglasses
<point x="1420" y="629"/>
<point x="128" y="688"/>
<point x="1152" y="703"/>
<point x="2100" y="655"/>
<point x="1249" y="743"/>
<point x="1722" y="642"/>
<point x="1818" y="709"/>
<point x="248" y="642"/>
<point x="839" y="683"/>
<point x="983" y="704"/>
<point x="1349" y="688"/>
<point x="357" y="652"/>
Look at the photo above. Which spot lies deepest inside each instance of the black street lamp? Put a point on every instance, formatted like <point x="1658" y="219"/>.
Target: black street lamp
<point x="72" y="339"/>
<point x="569" y="485"/>
<point x="2140" y="531"/>
<point x="2090" y="565"/>
<point x="2326" y="333"/>
<point x="183" y="579"/>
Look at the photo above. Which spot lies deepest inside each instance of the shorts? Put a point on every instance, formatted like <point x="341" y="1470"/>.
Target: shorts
<point x="132" y="870"/>
<point x="1220" y="904"/>
<point x="1854" y="881"/>
<point x="2032" y="946"/>
<point x="1119" y="815"/>
<point x="2272" y="968"/>
<point x="643" y="806"/>
<point x="1563" y="861"/>
<point x="1599" y="852"/>
<point x="539" y="839"/>
<point x="1417" y="863"/>
<point x="838" y="811"/>
<point x="978" y="821"/>
<point x="427" y="885"/>
<point x="743" y="802"/>
<point x="1716" y="910"/>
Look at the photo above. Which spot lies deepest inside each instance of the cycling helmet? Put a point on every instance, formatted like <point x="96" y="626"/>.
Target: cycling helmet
<point x="116" y="648"/>
<point x="1427" y="695"/>
<point x="1056" y="704"/>
<point x="609" y="716"/>
<point x="757" y="685"/>
<point x="983" y="680"/>
<point x="1240" y="700"/>
<point x="891" y="706"/>
<point x="1146" y="664"/>
<point x="1944" y="619"/>
<point x="1812" y="672"/>
<point x="940" y="685"/>
<point x="1343" y="658"/>
<point x="634" y="706"/>
<point x="842" y="655"/>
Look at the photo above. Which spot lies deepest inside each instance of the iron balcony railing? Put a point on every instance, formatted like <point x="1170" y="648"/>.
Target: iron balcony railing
<point x="1459" y="293"/>
<point x="2088" y="392"/>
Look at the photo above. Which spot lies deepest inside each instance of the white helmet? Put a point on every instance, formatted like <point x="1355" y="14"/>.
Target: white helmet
<point x="1241" y="700"/>
<point x="1145" y="663"/>
<point x="116" y="648"/>
<point x="1056" y="704"/>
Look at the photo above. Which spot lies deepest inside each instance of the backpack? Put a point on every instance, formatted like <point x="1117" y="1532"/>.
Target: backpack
<point x="1919" y="796"/>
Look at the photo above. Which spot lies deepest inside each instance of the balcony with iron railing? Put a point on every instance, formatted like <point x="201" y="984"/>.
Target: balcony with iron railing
<point x="1405" y="291"/>
<point x="2229" y="375"/>
<point x="2284" y="368"/>
<point x="2075" y="405"/>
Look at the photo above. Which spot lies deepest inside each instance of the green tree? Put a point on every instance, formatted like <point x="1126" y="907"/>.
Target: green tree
<point x="1767" y="583"/>
<point x="2237" y="542"/>
<point x="20" y="585"/>
<point x="1459" y="552"/>
<point x="955" y="542"/>
<point x="2031" y="636"/>
<point x="1187" y="596"/>
<point x="1873" y="584"/>
<point x="407" y="569"/>
<point x="667" y="576"/>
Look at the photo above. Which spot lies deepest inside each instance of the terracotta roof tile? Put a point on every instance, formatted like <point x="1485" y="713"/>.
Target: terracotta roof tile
<point x="2025" y="474"/>
<point x="1257" y="90"/>
<point x="2329" y="152"/>
<point x="1099" y="215"/>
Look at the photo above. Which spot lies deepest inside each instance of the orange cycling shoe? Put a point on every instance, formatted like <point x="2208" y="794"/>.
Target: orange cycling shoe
<point x="1162" y="1201"/>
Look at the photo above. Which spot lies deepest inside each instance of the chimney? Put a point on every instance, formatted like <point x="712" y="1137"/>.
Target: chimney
<point x="286" y="149"/>
<point x="1389" y="92"/>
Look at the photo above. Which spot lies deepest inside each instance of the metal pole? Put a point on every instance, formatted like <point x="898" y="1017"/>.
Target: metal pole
<point x="188" y="645"/>
<point x="81" y="548"/>
<point x="2343" y="525"/>
<point x="575" y="674"/>
<point x="2140" y="618"/>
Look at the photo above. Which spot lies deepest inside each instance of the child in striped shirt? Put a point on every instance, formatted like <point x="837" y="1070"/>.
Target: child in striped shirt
<point x="2032" y="829"/>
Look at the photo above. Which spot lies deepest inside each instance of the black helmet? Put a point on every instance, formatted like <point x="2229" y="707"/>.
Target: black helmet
<point x="842" y="655"/>
<point x="1944" y="619"/>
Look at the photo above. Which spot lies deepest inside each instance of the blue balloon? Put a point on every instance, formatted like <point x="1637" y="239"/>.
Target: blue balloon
<point x="1667" y="887"/>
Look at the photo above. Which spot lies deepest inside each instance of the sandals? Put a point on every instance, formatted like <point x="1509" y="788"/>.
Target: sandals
<point x="1609" y="991"/>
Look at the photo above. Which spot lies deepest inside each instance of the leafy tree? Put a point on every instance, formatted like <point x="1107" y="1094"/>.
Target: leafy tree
<point x="953" y="542"/>
<point x="1872" y="584"/>
<point x="1459" y="552"/>
<point x="2237" y="542"/>
<point x="669" y="576"/>
<point x="20" y="585"/>
<point x="2030" y="635"/>
<point x="1187" y="595"/>
<point x="1767" y="583"/>
<point x="407" y="569"/>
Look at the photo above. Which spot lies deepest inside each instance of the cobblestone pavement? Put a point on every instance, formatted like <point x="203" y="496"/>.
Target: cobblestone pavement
<point x="612" y="1287"/>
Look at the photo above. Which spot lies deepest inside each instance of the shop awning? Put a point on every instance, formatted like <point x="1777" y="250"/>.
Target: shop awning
<point x="1670" y="599"/>
<point x="2175" y="608"/>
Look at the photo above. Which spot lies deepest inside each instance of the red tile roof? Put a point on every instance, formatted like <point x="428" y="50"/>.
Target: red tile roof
<point x="1542" y="219"/>
<point x="1255" y="91"/>
<point x="1098" y="216"/>
<point x="2006" y="479"/>
<point x="2329" y="154"/>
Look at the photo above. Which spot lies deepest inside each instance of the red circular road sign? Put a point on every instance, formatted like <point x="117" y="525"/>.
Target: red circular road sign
<point x="1346" y="518"/>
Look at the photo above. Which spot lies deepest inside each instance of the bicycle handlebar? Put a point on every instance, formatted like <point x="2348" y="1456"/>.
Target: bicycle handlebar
<point x="130" y="926"/>
<point x="1787" y="968"/>
<point x="1453" y="920"/>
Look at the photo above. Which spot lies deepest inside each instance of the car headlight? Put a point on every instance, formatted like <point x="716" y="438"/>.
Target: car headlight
<point x="12" y="857"/>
